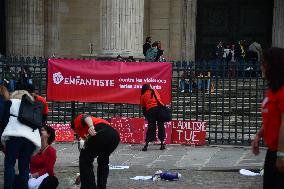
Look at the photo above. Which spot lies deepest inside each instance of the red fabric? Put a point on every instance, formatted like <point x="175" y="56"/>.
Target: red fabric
<point x="43" y="162"/>
<point x="43" y="101"/>
<point x="82" y="129"/>
<point x="106" y="81"/>
<point x="130" y="129"/>
<point x="63" y="132"/>
<point x="272" y="107"/>
<point x="149" y="101"/>
<point x="188" y="132"/>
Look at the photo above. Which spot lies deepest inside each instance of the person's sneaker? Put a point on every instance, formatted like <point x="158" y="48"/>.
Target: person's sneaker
<point x="182" y="91"/>
<point x="144" y="148"/>
<point x="163" y="147"/>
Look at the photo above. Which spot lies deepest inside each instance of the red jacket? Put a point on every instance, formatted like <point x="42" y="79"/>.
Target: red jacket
<point x="82" y="129"/>
<point x="272" y="107"/>
<point x="43" y="101"/>
<point x="43" y="162"/>
<point x="148" y="101"/>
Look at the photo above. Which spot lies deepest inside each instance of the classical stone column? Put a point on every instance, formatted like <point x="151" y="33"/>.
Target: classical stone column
<point x="122" y="28"/>
<point x="25" y="27"/>
<point x="189" y="29"/>
<point x="278" y="24"/>
<point x="51" y="8"/>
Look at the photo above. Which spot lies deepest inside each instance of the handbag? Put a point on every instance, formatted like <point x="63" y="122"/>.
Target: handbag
<point x="164" y="113"/>
<point x="30" y="113"/>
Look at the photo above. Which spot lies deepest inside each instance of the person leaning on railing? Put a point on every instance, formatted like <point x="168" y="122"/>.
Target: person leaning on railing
<point x="272" y="130"/>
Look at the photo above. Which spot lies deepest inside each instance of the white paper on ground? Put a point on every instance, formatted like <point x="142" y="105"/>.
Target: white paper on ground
<point x="142" y="178"/>
<point x="114" y="167"/>
<point x="248" y="173"/>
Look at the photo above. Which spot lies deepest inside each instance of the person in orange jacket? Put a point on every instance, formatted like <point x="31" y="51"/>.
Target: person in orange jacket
<point x="100" y="141"/>
<point x="150" y="110"/>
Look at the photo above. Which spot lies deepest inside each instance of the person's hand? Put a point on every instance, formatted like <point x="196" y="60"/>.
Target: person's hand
<point x="92" y="131"/>
<point x="78" y="180"/>
<point x="280" y="164"/>
<point x="255" y="144"/>
<point x="35" y="175"/>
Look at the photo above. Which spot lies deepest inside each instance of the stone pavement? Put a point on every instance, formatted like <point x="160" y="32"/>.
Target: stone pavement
<point x="201" y="167"/>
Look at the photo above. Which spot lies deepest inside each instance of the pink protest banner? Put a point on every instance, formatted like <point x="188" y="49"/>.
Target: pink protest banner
<point x="106" y="81"/>
<point x="188" y="132"/>
<point x="130" y="129"/>
<point x="63" y="132"/>
<point x="168" y="131"/>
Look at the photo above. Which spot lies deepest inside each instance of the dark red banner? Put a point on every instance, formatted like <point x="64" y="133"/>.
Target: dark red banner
<point x="106" y="81"/>
<point x="63" y="132"/>
<point x="188" y="132"/>
<point x="130" y="129"/>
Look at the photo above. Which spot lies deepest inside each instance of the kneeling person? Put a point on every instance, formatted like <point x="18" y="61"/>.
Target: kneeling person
<point x="100" y="141"/>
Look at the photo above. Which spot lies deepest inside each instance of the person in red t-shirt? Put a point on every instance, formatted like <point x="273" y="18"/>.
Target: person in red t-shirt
<point x="150" y="110"/>
<point x="42" y="174"/>
<point x="100" y="141"/>
<point x="272" y="130"/>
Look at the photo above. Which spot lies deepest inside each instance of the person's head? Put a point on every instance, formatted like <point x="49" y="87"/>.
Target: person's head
<point x="119" y="58"/>
<point x="155" y="44"/>
<point x="220" y="43"/>
<point x="272" y="67"/>
<point x="233" y="46"/>
<point x="145" y="87"/>
<point x="47" y="133"/>
<point x="4" y="93"/>
<point x="148" y="39"/>
<point x="28" y="87"/>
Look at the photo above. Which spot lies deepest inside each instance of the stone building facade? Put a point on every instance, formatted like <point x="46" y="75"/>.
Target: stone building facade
<point x="107" y="28"/>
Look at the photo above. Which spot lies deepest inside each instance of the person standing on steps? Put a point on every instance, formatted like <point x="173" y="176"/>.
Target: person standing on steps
<point x="150" y="110"/>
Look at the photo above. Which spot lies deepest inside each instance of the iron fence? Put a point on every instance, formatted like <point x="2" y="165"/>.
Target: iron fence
<point x="227" y="95"/>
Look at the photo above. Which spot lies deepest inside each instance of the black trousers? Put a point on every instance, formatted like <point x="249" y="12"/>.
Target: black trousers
<point x="50" y="182"/>
<point x="99" y="146"/>
<point x="272" y="178"/>
<point x="152" y="122"/>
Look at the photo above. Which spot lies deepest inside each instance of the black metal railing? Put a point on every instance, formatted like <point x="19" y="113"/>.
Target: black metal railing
<point x="228" y="99"/>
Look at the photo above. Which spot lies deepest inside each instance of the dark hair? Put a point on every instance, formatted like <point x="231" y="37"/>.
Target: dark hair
<point x="273" y="60"/>
<point x="148" y="39"/>
<point x="51" y="133"/>
<point x="155" y="44"/>
<point x="72" y="124"/>
<point x="30" y="88"/>
<point x="145" y="87"/>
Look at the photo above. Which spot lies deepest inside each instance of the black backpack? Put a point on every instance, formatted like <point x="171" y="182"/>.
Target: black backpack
<point x="30" y="112"/>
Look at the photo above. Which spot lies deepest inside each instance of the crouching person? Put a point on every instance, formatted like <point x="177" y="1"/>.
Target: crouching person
<point x="100" y="141"/>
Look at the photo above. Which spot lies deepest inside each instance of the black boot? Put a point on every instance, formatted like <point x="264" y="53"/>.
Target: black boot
<point x="163" y="146"/>
<point x="145" y="147"/>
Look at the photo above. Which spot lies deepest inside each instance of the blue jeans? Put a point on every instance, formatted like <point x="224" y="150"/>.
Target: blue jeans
<point x="185" y="86"/>
<point x="17" y="148"/>
<point x="12" y="85"/>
